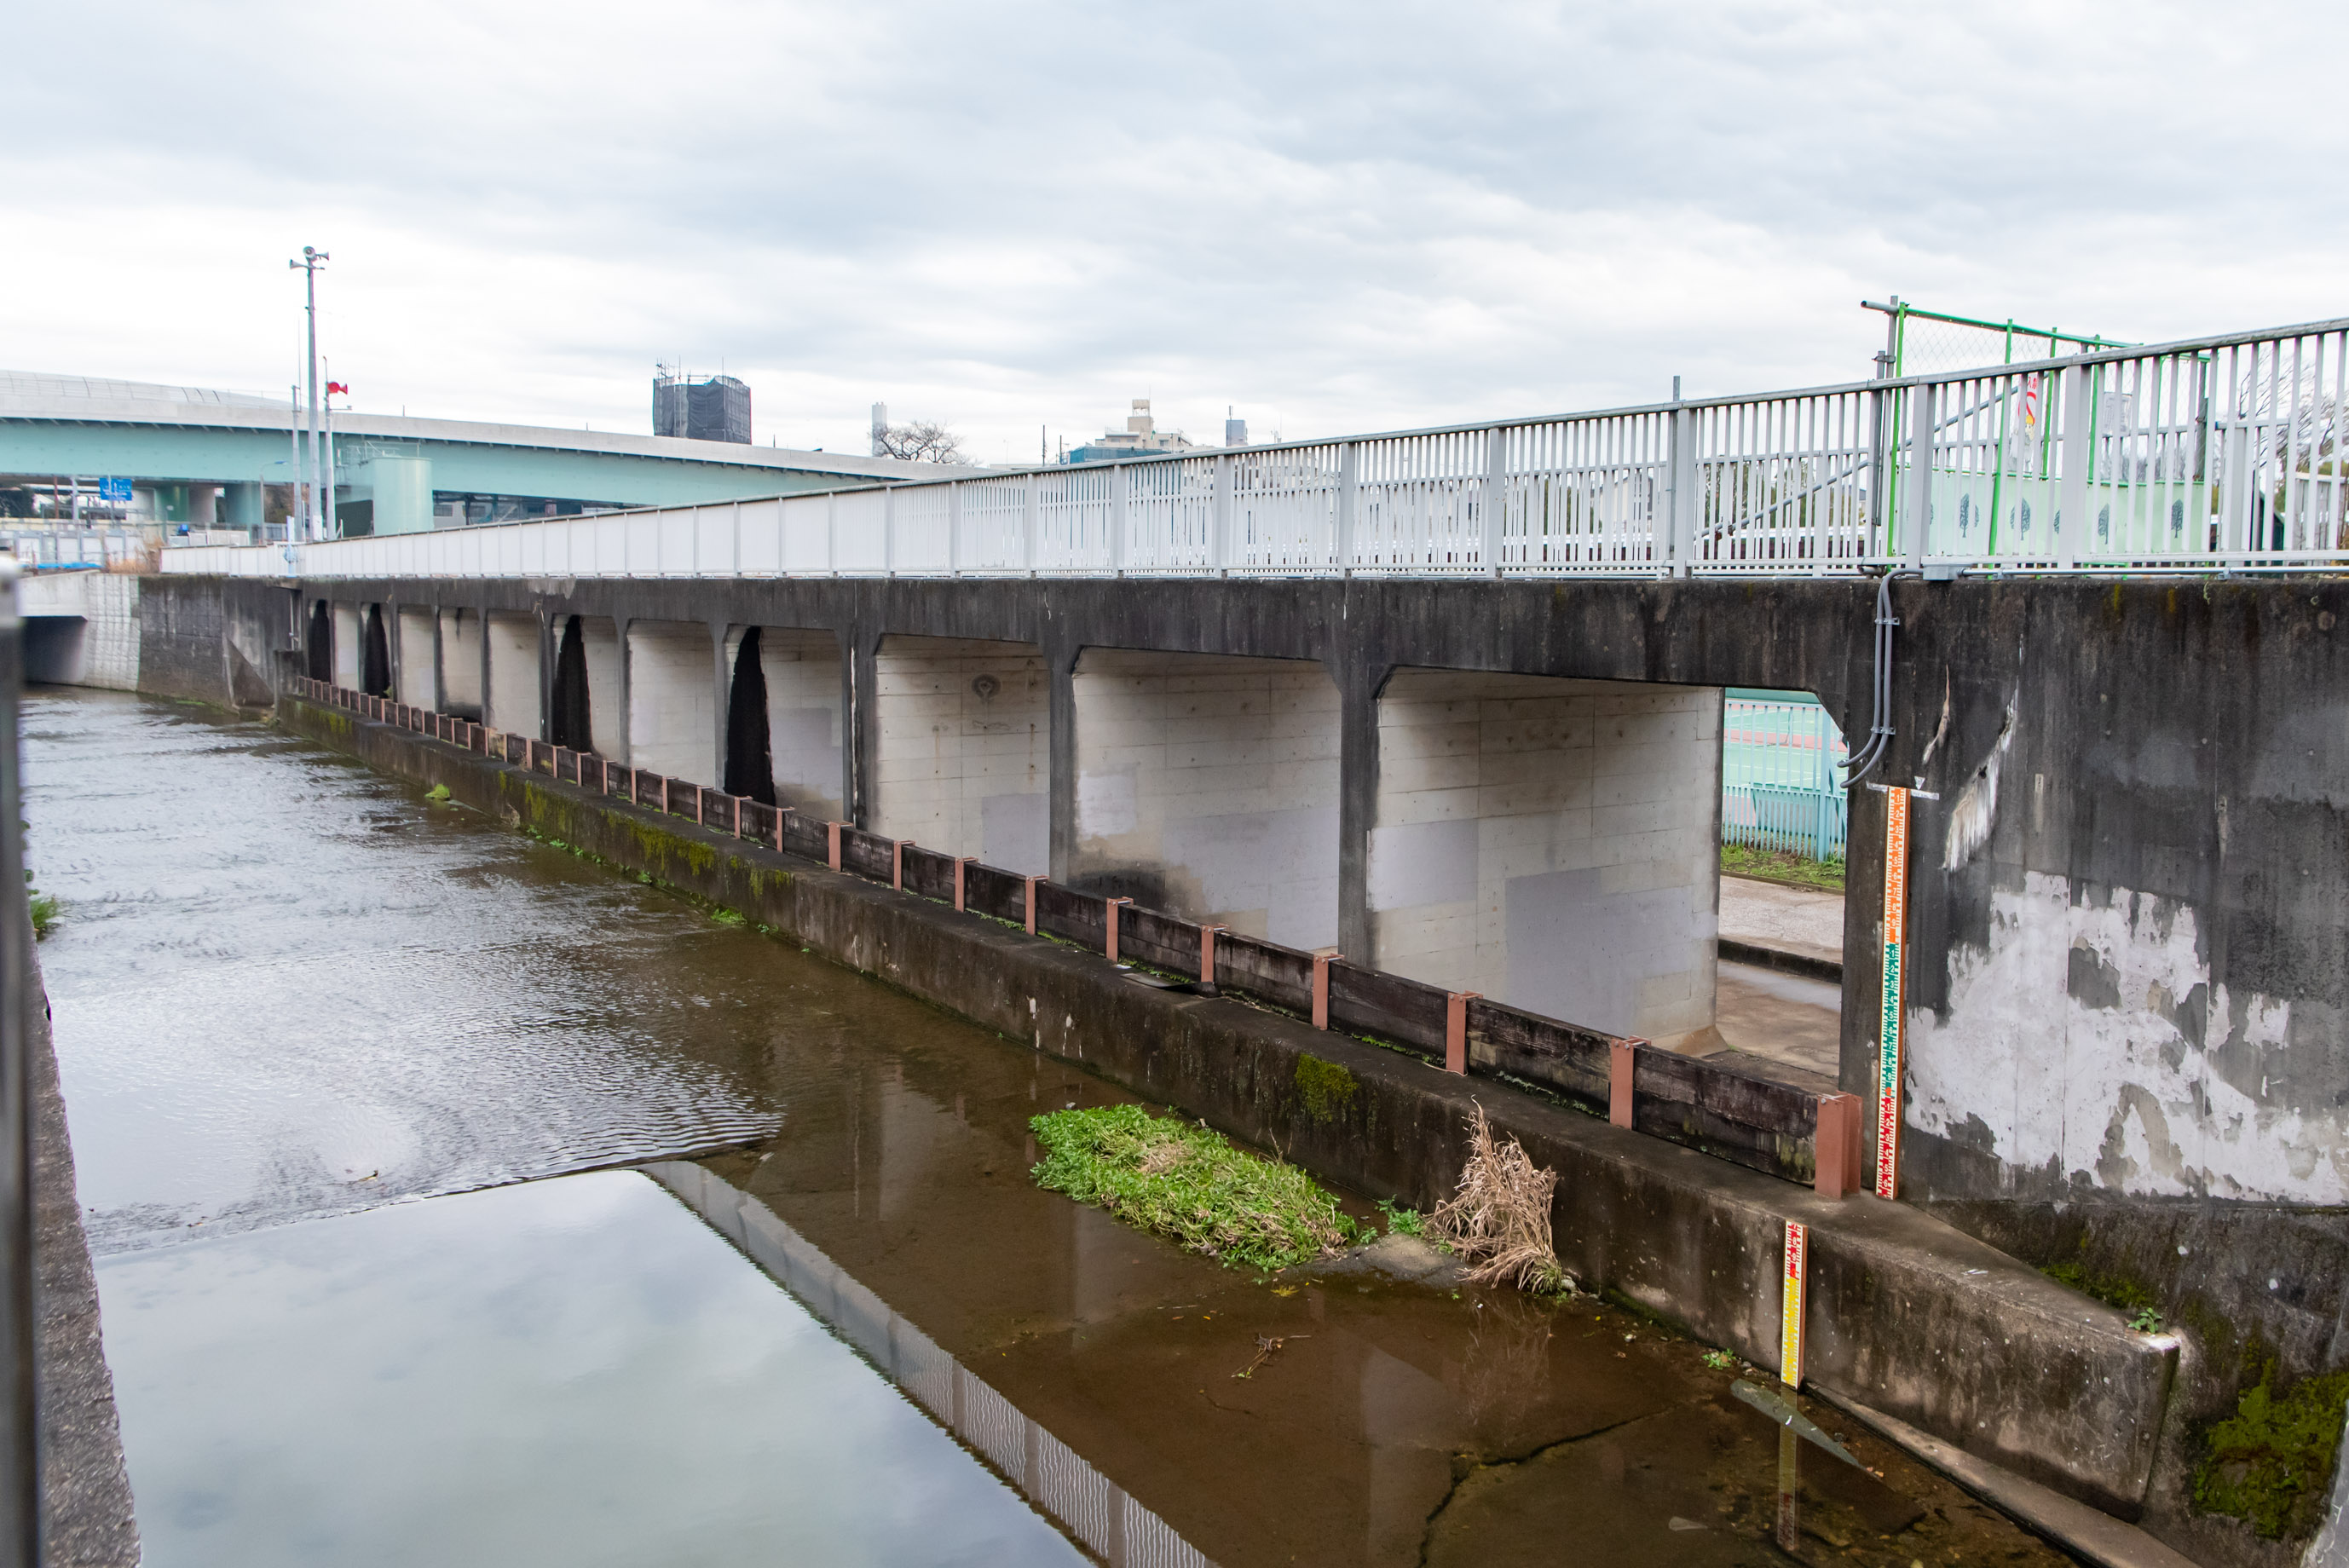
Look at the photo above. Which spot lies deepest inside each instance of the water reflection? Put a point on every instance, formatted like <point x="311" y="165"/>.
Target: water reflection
<point x="572" y="1372"/>
<point x="1086" y="1502"/>
<point x="288" y="988"/>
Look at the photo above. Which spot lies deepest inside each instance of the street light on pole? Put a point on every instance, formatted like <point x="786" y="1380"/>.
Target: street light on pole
<point x="319" y="479"/>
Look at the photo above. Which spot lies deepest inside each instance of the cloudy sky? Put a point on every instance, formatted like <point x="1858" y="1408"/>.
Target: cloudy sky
<point x="1008" y="217"/>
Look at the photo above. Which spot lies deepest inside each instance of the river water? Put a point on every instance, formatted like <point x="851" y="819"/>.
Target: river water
<point x="457" y="1201"/>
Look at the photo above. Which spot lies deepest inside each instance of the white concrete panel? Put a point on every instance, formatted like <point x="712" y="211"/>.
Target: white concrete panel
<point x="513" y="673"/>
<point x="110" y="644"/>
<point x="673" y="700"/>
<point x="461" y="661"/>
<point x="1208" y="785"/>
<point x="963" y="758"/>
<point x="412" y="681"/>
<point x="607" y="717"/>
<point x="805" y="733"/>
<point x="1551" y="844"/>
<point x="348" y="635"/>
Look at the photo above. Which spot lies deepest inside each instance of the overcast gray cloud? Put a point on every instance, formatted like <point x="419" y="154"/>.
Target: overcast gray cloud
<point x="1336" y="218"/>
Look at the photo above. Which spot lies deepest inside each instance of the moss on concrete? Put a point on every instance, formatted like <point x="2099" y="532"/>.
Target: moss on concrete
<point x="1324" y="1090"/>
<point x="2270" y="1464"/>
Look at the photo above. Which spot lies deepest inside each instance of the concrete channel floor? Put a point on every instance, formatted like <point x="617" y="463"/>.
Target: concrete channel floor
<point x="1786" y="1026"/>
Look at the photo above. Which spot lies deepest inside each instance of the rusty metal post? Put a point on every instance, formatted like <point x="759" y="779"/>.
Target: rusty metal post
<point x="897" y="848"/>
<point x="831" y="843"/>
<point x="1112" y="906"/>
<point x="1321" y="989"/>
<point x="1032" y="904"/>
<point x="1620" y="1062"/>
<point x="962" y="864"/>
<point x="1834" y="1146"/>
<point x="1455" y="1030"/>
<point x="1207" y="958"/>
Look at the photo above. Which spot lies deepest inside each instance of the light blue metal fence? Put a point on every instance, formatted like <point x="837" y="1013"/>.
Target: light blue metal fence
<point x="1779" y="778"/>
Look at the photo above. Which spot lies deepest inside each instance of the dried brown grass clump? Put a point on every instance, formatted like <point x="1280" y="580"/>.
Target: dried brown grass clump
<point x="1500" y="1215"/>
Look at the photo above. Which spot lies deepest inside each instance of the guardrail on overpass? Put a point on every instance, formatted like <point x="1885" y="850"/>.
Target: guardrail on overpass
<point x="2218" y="454"/>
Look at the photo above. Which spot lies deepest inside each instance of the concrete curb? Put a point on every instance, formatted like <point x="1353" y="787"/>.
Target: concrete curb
<point x="86" y="1520"/>
<point x="1779" y="959"/>
<point x="2089" y="1534"/>
<point x="1906" y="1312"/>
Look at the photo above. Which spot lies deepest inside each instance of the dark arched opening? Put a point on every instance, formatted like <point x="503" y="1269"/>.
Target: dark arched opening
<point x="570" y="724"/>
<point x="750" y="766"/>
<point x="322" y="642"/>
<point x="375" y="655"/>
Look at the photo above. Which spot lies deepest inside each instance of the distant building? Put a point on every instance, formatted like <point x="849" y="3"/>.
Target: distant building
<point x="717" y="409"/>
<point x="1141" y="438"/>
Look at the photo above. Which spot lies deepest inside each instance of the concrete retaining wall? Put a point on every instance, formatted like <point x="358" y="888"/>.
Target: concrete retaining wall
<point x="1552" y="843"/>
<point x="1909" y="1315"/>
<point x="1207" y="787"/>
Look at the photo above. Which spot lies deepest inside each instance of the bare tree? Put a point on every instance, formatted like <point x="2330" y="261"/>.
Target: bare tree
<point x="922" y="441"/>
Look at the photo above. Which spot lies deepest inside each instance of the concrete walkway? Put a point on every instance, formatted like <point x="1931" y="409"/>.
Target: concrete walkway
<point x="1785" y="1027"/>
<point x="1790" y="919"/>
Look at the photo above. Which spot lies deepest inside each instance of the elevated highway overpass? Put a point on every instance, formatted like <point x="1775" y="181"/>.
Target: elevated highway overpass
<point x="203" y="458"/>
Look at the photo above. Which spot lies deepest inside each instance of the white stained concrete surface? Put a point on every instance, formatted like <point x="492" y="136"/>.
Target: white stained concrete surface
<point x="964" y="761"/>
<point x="514" y="703"/>
<point x="1790" y="919"/>
<point x="805" y="736"/>
<point x="1553" y="844"/>
<point x="607" y="705"/>
<point x="673" y="701"/>
<point x="1209" y="784"/>
<point x="412" y="648"/>
<point x="349" y="634"/>
<point x="111" y="641"/>
<point x="461" y="661"/>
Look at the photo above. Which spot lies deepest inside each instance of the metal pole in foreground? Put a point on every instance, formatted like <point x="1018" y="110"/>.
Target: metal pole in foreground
<point x="19" y="1462"/>
<point x="312" y="260"/>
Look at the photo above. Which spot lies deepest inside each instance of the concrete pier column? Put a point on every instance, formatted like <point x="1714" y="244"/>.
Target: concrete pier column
<point x="673" y="704"/>
<point x="463" y="660"/>
<point x="1554" y="844"/>
<point x="415" y="656"/>
<point x="961" y="748"/>
<point x="516" y="692"/>
<point x="1208" y="786"/>
<point x="1358" y="784"/>
<point x="243" y="508"/>
<point x="721" y="678"/>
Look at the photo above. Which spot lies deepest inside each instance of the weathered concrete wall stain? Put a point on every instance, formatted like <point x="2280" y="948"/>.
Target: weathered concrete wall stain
<point x="2087" y="1042"/>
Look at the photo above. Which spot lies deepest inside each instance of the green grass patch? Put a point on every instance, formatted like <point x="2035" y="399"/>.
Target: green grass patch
<point x="2270" y="1464"/>
<point x="2126" y="1294"/>
<point x="1179" y="1179"/>
<point x="47" y="914"/>
<point x="437" y="794"/>
<point x="1778" y="866"/>
<point x="1401" y="1221"/>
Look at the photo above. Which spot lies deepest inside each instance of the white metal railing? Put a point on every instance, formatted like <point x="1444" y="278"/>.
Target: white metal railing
<point x="2215" y="454"/>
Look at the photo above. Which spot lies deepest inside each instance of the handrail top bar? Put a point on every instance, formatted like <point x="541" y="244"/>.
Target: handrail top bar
<point x="1887" y="384"/>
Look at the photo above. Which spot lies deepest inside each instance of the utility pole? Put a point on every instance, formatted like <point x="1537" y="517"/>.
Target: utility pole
<point x="312" y="260"/>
